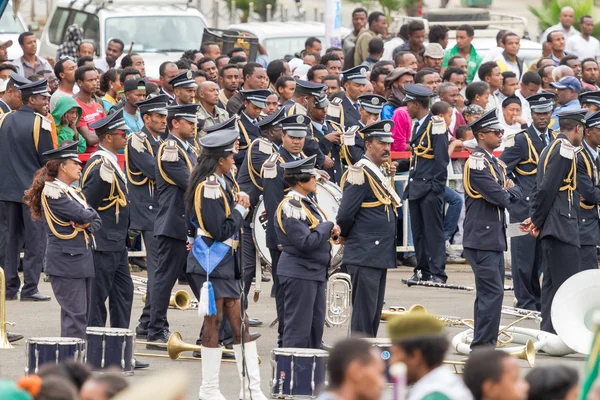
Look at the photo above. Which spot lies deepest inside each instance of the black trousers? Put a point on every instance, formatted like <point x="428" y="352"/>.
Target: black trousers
<point x="304" y="312"/>
<point x="279" y="297"/>
<point x="427" y="224"/>
<point x="3" y="232"/>
<point x="588" y="257"/>
<point x="29" y="235"/>
<point x="488" y="268"/>
<point x="73" y="296"/>
<point x="249" y="258"/>
<point x="112" y="281"/>
<point x="526" y="253"/>
<point x="560" y="261"/>
<point x="172" y="259"/>
<point x="151" y="264"/>
<point x="368" y="292"/>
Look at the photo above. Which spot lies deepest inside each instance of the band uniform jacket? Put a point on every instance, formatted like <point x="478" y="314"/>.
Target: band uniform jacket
<point x="105" y="189"/>
<point x="351" y="153"/>
<point x="344" y="113"/>
<point x="4" y="108"/>
<point x="25" y="136"/>
<point x="293" y="108"/>
<point x="69" y="249"/>
<point x="554" y="208"/>
<point x="218" y="220"/>
<point x="521" y="161"/>
<point x="327" y="148"/>
<point x="275" y="189"/>
<point x="367" y="220"/>
<point x="249" y="176"/>
<point x="304" y="234"/>
<point x="589" y="189"/>
<point x="429" y="163"/>
<point x="140" y="164"/>
<point x="173" y="168"/>
<point x="248" y="133"/>
<point x="486" y="198"/>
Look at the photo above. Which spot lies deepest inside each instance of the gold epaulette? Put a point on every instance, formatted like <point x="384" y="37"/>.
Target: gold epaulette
<point x="477" y="161"/>
<point x="52" y="190"/>
<point x="438" y="125"/>
<point x="269" y="168"/>
<point x="335" y="108"/>
<point x="138" y="141"/>
<point x="170" y="152"/>
<point x="107" y="171"/>
<point x="356" y="174"/>
<point x="567" y="150"/>
<point x="212" y="188"/>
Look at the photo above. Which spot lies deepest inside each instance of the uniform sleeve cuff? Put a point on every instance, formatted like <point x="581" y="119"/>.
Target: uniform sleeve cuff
<point x="242" y="210"/>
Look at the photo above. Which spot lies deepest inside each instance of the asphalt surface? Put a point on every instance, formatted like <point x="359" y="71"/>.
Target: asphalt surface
<point x="42" y="319"/>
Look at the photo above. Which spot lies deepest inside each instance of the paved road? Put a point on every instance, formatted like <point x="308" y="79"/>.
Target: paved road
<point x="42" y="319"/>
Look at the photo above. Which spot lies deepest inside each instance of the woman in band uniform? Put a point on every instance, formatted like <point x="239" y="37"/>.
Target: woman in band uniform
<point x="305" y="235"/>
<point x="69" y="222"/>
<point x="217" y="209"/>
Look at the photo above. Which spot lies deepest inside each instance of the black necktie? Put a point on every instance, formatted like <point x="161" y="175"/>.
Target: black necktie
<point x="543" y="138"/>
<point x="356" y="106"/>
<point x="414" y="130"/>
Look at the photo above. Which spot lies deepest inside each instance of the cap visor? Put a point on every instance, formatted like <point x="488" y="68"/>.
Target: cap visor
<point x="360" y="81"/>
<point x="543" y="109"/>
<point x="192" y="85"/>
<point x="557" y="85"/>
<point x="161" y="112"/>
<point x="76" y="159"/>
<point x="46" y="94"/>
<point x="296" y="134"/>
<point x="192" y="120"/>
<point x="372" y="110"/>
<point x="259" y="104"/>
<point x="385" y="139"/>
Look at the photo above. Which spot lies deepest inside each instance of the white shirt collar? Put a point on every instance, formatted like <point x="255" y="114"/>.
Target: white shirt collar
<point x="318" y="126"/>
<point x="110" y="153"/>
<point x="221" y="180"/>
<point x="185" y="144"/>
<point x="540" y="133"/>
<point x="593" y="151"/>
<point x="420" y="122"/>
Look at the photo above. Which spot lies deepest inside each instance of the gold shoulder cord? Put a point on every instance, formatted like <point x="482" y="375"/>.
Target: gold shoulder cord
<point x="425" y="151"/>
<point x="88" y="169"/>
<point x="2" y="116"/>
<point x="51" y="220"/>
<point x="198" y="206"/>
<point x="252" y="172"/>
<point x="570" y="182"/>
<point x="532" y="159"/>
<point x="379" y="192"/>
<point x="159" y="162"/>
<point x="130" y="173"/>
<point x="118" y="200"/>
<point x="291" y="110"/>
<point x="467" y="179"/>
<point x="588" y="167"/>
<point x="245" y="133"/>
<point x="36" y="132"/>
<point x="311" y="218"/>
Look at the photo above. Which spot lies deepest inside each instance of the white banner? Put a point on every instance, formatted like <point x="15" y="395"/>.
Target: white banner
<point x="333" y="23"/>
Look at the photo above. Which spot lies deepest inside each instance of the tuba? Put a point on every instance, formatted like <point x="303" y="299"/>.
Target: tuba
<point x="4" y="343"/>
<point x="338" y="299"/>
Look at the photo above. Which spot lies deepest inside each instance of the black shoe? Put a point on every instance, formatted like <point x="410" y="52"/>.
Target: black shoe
<point x="415" y="277"/>
<point x="182" y="281"/>
<point x="163" y="338"/>
<point x="141" y="332"/>
<point x="36" y="297"/>
<point x="436" y="279"/>
<point x="326" y="347"/>
<point x="139" y="364"/>
<point x="254" y="336"/>
<point x="14" y="337"/>
<point x="265" y="278"/>
<point x="12" y="298"/>
<point x="253" y="322"/>
<point x="410" y="261"/>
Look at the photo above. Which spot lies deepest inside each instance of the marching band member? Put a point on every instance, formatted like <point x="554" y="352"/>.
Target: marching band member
<point x="426" y="185"/>
<point x="487" y="194"/>
<point x="254" y="102"/>
<point x="347" y="112"/>
<point x="521" y="156"/>
<point x="105" y="188"/>
<point x="298" y="104"/>
<point x="304" y="234"/>
<point x="175" y="160"/>
<point x="588" y="186"/>
<point x="367" y="219"/>
<point x="217" y="211"/>
<point x="554" y="214"/>
<point x="69" y="222"/>
<point x="140" y="168"/>
<point x="274" y="189"/>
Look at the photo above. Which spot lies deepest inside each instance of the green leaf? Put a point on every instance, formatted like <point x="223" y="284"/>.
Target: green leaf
<point x="549" y="12"/>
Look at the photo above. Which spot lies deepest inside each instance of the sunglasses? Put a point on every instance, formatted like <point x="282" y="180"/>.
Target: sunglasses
<point x="120" y="132"/>
<point x="497" y="132"/>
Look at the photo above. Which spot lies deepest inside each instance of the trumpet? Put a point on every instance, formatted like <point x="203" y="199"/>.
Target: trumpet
<point x="339" y="299"/>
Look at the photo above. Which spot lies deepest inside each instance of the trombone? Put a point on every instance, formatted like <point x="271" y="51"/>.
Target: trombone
<point x="4" y="343"/>
<point x="180" y="299"/>
<point x="519" y="312"/>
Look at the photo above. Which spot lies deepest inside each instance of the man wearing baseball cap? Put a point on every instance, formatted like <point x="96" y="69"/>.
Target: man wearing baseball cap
<point x="567" y="91"/>
<point x="433" y="56"/>
<point x="4" y="45"/>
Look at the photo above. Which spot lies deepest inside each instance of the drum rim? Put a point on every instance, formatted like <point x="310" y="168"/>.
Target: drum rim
<point x="54" y="340"/>
<point x="95" y="331"/>
<point x="327" y="186"/>
<point x="256" y="246"/>
<point x="379" y="341"/>
<point x="300" y="352"/>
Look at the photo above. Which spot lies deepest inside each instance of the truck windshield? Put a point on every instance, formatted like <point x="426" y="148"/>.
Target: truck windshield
<point x="8" y="24"/>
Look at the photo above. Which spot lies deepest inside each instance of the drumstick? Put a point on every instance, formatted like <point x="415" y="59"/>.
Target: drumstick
<point x="130" y="47"/>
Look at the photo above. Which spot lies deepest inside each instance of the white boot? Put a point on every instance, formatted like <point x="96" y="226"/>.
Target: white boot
<point x="251" y="383"/>
<point x="211" y="364"/>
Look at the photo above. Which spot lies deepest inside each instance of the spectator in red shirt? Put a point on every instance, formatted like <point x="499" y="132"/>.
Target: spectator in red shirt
<point x="88" y="81"/>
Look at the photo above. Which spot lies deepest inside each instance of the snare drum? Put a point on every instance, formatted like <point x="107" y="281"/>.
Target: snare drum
<point x="297" y="373"/>
<point x="111" y="347"/>
<point x="44" y="350"/>
<point x="329" y="196"/>
<point x="384" y="345"/>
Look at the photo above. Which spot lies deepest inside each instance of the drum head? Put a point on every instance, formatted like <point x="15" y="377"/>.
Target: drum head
<point x="259" y="231"/>
<point x="109" y="331"/>
<point x="300" y="352"/>
<point x="55" y="340"/>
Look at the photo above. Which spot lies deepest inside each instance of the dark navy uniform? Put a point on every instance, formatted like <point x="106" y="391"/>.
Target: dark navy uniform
<point x="25" y="136"/>
<point x="69" y="260"/>
<point x="274" y="189"/>
<point x="367" y="219"/>
<point x="486" y="198"/>
<point x="318" y="130"/>
<point x="140" y="164"/>
<point x="521" y="156"/>
<point x="588" y="186"/>
<point x="184" y="80"/>
<point x="105" y="187"/>
<point x="304" y="232"/>
<point x="348" y="114"/>
<point x="250" y="181"/>
<point x="175" y="161"/>
<point x="247" y="126"/>
<point x="555" y="213"/>
<point x="425" y="190"/>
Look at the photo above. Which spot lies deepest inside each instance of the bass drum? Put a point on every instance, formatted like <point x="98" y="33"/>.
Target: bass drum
<point x="329" y="196"/>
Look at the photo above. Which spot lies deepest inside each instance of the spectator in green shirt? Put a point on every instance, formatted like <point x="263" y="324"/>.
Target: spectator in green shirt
<point x="464" y="48"/>
<point x="67" y="114"/>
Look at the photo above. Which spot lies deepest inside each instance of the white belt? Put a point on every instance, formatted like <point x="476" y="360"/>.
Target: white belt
<point x="231" y="242"/>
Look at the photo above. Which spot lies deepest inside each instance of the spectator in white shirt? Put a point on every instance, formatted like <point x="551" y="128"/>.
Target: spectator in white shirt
<point x="566" y="18"/>
<point x="489" y="72"/>
<point x="114" y="50"/>
<point x="584" y="45"/>
<point x="530" y="85"/>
